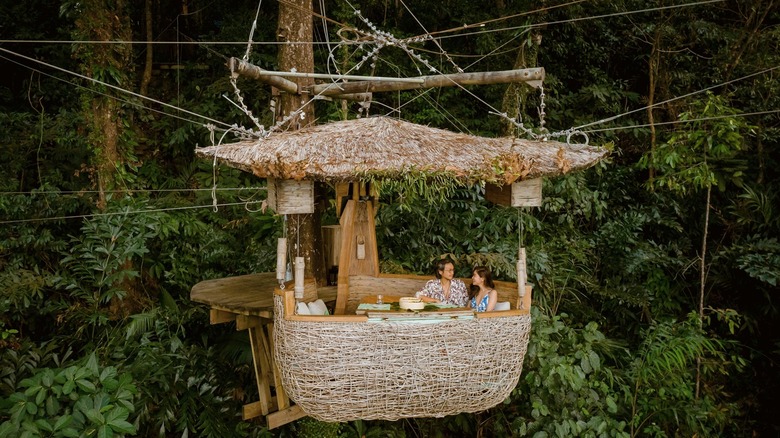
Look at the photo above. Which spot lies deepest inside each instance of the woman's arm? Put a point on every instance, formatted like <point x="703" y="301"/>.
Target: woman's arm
<point x="492" y="300"/>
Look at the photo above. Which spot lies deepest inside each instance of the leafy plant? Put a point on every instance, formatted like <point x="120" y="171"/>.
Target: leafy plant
<point x="80" y="400"/>
<point x="661" y="376"/>
<point x="566" y="388"/>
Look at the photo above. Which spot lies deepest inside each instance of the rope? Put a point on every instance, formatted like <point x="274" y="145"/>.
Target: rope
<point x="261" y="129"/>
<point x="140" y="96"/>
<point x="645" y="108"/>
<point x="80" y="192"/>
<point x="617" y="128"/>
<point x="92" y="90"/>
<point x="506" y="17"/>
<point x="444" y="52"/>
<point x="574" y="20"/>
<point x="252" y="32"/>
<point x="85" y="216"/>
<point x="214" y="165"/>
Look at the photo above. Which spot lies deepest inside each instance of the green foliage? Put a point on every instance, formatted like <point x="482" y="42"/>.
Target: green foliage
<point x="25" y="360"/>
<point x="414" y="187"/>
<point x="185" y="387"/>
<point x="601" y="250"/>
<point x="566" y="388"/>
<point x="760" y="259"/>
<point x="308" y="427"/>
<point x="704" y="153"/>
<point x="80" y="400"/>
<point x="662" y="381"/>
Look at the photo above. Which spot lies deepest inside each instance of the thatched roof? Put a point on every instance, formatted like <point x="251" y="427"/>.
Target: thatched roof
<point x="345" y="150"/>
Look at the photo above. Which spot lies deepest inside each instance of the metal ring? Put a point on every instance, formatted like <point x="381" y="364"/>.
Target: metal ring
<point x="568" y="137"/>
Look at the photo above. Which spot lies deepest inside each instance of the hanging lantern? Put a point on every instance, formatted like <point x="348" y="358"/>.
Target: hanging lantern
<point x="521" y="273"/>
<point x="281" y="259"/>
<point x="299" y="270"/>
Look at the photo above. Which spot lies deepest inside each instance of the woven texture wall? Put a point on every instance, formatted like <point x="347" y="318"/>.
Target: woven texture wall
<point x="343" y="371"/>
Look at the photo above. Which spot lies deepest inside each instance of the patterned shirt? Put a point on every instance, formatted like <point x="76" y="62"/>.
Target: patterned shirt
<point x="459" y="295"/>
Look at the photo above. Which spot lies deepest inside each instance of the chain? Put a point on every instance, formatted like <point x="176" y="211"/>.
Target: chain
<point x="542" y="106"/>
<point x="243" y="106"/>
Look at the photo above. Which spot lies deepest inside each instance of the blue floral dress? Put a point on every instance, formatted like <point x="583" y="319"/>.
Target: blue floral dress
<point x="483" y="303"/>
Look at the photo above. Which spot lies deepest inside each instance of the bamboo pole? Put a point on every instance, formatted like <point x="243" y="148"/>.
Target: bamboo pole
<point x="531" y="76"/>
<point x="357" y="90"/>
<point x="243" y="68"/>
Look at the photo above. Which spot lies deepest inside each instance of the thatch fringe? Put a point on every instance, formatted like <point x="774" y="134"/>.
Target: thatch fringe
<point x="342" y="151"/>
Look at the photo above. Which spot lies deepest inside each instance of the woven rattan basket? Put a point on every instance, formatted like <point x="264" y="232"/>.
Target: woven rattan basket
<point x="343" y="371"/>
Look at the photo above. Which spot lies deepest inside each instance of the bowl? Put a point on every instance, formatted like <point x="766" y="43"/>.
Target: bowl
<point x="411" y="303"/>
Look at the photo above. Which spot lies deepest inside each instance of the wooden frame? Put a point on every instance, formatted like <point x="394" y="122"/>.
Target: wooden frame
<point x="290" y="196"/>
<point x="526" y="193"/>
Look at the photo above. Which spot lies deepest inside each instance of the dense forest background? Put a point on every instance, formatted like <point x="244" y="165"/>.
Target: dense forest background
<point x="656" y="271"/>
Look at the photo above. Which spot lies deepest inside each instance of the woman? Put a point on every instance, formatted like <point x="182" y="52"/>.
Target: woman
<point x="482" y="294"/>
<point x="445" y="288"/>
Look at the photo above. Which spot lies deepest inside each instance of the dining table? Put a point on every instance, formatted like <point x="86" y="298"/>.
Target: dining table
<point x="388" y="308"/>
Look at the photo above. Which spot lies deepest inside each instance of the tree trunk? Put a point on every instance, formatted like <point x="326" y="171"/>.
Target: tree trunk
<point x="107" y="63"/>
<point x="295" y="25"/>
<point x="102" y="115"/>
<point x="147" y="77"/>
<point x="703" y="277"/>
<point x="653" y="63"/>
<point x="515" y="97"/>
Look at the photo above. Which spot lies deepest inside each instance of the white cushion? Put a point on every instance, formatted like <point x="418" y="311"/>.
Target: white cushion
<point x="502" y="305"/>
<point x="318" y="308"/>
<point x="302" y="309"/>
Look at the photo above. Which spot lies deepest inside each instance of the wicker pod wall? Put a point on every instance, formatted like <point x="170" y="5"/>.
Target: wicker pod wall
<point x="344" y="371"/>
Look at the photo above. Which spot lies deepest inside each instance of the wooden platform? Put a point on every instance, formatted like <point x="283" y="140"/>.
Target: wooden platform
<point x="250" y="295"/>
<point x="248" y="300"/>
<point x="245" y="295"/>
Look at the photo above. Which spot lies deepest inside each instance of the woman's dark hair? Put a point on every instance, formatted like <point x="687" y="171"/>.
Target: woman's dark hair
<point x="441" y="264"/>
<point x="485" y="274"/>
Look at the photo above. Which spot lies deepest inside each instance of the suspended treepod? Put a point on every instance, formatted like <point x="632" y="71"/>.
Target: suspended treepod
<point x="364" y="361"/>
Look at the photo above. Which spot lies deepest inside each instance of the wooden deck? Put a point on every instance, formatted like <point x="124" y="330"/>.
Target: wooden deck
<point x="249" y="295"/>
<point x="248" y="300"/>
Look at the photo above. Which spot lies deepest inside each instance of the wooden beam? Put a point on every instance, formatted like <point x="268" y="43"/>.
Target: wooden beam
<point x="501" y="313"/>
<point x="281" y="418"/>
<point x="251" y="410"/>
<point x="525" y="301"/>
<point x="361" y="90"/>
<point x="327" y="318"/>
<point x="531" y="76"/>
<point x="244" y="322"/>
<point x="337" y="77"/>
<point x="245" y="69"/>
<point x="261" y="366"/>
<point x="282" y="400"/>
<point x="347" y="222"/>
<point x="220" y="316"/>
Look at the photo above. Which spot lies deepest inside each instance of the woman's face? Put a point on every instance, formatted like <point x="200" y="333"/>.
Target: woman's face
<point x="448" y="272"/>
<point x="476" y="279"/>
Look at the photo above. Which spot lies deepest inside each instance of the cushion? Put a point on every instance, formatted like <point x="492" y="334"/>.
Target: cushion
<point x="302" y="309"/>
<point x="318" y="308"/>
<point x="502" y="305"/>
